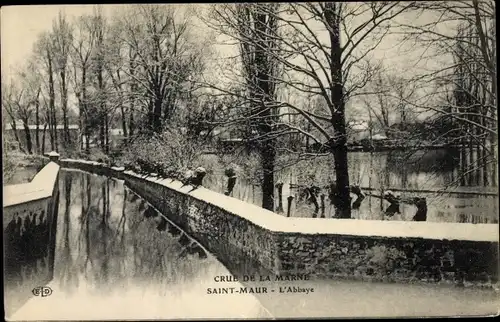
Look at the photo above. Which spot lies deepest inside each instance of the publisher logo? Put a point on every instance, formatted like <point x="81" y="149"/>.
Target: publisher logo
<point x="42" y="291"/>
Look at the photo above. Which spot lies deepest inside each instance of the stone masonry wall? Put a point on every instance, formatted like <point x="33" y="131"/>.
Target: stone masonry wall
<point x="390" y="259"/>
<point x="242" y="234"/>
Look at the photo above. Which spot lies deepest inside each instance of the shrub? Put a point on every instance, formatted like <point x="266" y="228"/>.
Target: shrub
<point x="171" y="152"/>
<point x="9" y="167"/>
<point x="17" y="162"/>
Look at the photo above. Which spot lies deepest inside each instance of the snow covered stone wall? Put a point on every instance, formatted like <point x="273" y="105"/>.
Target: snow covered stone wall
<point x="245" y="236"/>
<point x="29" y="227"/>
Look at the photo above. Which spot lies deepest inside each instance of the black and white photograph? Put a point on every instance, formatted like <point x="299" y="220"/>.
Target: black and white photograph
<point x="259" y="160"/>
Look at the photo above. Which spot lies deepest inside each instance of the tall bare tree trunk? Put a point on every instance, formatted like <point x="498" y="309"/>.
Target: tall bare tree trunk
<point x="122" y="107"/>
<point x="85" y="125"/>
<point x="16" y="136"/>
<point x="106" y="133"/>
<point x="64" y="106"/>
<point x="29" y="144"/>
<point x="268" y="153"/>
<point x="52" y="108"/>
<point x="54" y="125"/>
<point x="37" y="121"/>
<point x="43" y="138"/>
<point x="133" y="90"/>
<point x="338" y="146"/>
<point x="156" y="115"/>
<point x="102" y="106"/>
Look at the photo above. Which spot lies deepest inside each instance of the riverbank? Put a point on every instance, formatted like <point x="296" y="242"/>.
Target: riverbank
<point x="20" y="167"/>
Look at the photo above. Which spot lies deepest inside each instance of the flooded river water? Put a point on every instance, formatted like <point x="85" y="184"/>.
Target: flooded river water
<point x="411" y="174"/>
<point x="117" y="258"/>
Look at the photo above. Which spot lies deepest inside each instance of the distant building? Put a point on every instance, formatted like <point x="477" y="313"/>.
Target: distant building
<point x="357" y="131"/>
<point x="20" y="127"/>
<point x="116" y="136"/>
<point x="43" y="135"/>
<point x="379" y="137"/>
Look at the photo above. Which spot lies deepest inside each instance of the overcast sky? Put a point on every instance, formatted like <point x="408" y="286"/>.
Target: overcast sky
<point x="20" y="26"/>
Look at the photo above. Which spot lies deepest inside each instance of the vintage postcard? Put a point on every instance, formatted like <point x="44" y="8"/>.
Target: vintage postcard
<point x="250" y="160"/>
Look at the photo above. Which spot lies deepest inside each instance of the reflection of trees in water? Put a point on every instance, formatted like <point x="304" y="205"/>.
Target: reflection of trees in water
<point x="380" y="170"/>
<point x="67" y="275"/>
<point x="476" y="169"/>
<point x="458" y="167"/>
<point x="161" y="252"/>
<point x="429" y="161"/>
<point x="83" y="237"/>
<point x="28" y="250"/>
<point x="117" y="243"/>
<point x="104" y="233"/>
<point x="26" y="247"/>
<point x="85" y="223"/>
<point x="416" y="168"/>
<point x="106" y="252"/>
<point x="475" y="219"/>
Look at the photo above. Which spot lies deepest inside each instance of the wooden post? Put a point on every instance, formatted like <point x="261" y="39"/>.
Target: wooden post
<point x="359" y="194"/>
<point x="394" y="207"/>
<point x="421" y="204"/>
<point x="196" y="179"/>
<point x="231" y="181"/>
<point x="322" y="205"/>
<point x="313" y="198"/>
<point x="279" y="185"/>
<point x="290" y="199"/>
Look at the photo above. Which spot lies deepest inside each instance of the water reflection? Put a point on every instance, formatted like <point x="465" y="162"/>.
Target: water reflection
<point x="117" y="257"/>
<point x="26" y="244"/>
<point x="409" y="170"/>
<point x="109" y="236"/>
<point x="113" y="244"/>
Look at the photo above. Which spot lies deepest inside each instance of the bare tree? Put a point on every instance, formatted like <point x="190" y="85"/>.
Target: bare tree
<point x="386" y="101"/>
<point x="31" y="80"/>
<point x="164" y="57"/>
<point x="18" y="105"/>
<point x="82" y="49"/>
<point x="100" y="98"/>
<point x="462" y="35"/>
<point x="258" y="24"/>
<point x="9" y="97"/>
<point x="315" y="61"/>
<point x="61" y="42"/>
<point x="44" y="53"/>
<point x="115" y="62"/>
